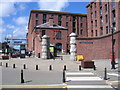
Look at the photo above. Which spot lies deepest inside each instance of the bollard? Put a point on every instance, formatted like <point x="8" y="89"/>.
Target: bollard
<point x="1" y="64"/>
<point x="64" y="67"/>
<point x="64" y="76"/>
<point x="13" y="65"/>
<point x="6" y="64"/>
<point x="36" y="67"/>
<point x="79" y="67"/>
<point x="50" y="68"/>
<point x="61" y="58"/>
<point x="22" y="80"/>
<point x="24" y="66"/>
<point x="105" y="74"/>
<point x="94" y="67"/>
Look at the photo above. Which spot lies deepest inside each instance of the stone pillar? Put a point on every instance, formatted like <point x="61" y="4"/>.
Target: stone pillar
<point x="72" y="46"/>
<point x="45" y="47"/>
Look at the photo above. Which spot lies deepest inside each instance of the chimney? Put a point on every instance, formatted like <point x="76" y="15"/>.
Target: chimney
<point x="51" y="21"/>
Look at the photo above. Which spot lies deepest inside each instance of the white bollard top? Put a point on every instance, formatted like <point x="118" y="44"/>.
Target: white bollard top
<point x="45" y="36"/>
<point x="73" y="35"/>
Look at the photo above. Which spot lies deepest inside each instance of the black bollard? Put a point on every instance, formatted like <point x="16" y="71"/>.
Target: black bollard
<point x="50" y="68"/>
<point x="6" y="64"/>
<point x="94" y="67"/>
<point x="105" y="74"/>
<point x="61" y="58"/>
<point x="13" y="65"/>
<point x="79" y="67"/>
<point x="64" y="67"/>
<point x="24" y="66"/>
<point x="1" y="64"/>
<point x="36" y="67"/>
<point x="22" y="80"/>
<point x="64" y="76"/>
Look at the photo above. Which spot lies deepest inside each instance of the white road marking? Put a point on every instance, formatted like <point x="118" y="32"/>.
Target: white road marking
<point x="88" y="86"/>
<point x="113" y="74"/>
<point x="78" y="73"/>
<point x="83" y="79"/>
<point x="112" y="81"/>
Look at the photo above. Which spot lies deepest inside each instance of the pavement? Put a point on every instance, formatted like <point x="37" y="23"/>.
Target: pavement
<point x="46" y="78"/>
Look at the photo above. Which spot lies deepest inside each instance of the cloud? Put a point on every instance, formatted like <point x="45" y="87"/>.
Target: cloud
<point x="10" y="26"/>
<point x="54" y="5"/>
<point x="21" y="20"/>
<point x="7" y="9"/>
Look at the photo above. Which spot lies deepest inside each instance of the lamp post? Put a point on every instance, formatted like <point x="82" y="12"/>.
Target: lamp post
<point x="113" y="54"/>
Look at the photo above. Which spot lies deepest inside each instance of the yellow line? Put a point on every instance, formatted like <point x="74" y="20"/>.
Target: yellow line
<point x="115" y="83"/>
<point x="47" y="86"/>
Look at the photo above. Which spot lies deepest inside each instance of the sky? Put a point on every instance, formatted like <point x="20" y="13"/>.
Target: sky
<point x="14" y="14"/>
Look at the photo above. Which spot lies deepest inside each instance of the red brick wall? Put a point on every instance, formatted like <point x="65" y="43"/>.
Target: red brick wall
<point x="100" y="49"/>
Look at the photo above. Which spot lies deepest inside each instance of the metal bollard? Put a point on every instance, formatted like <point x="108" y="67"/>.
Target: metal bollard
<point x="22" y="80"/>
<point x="94" y="67"/>
<point x="13" y="65"/>
<point x="1" y="64"/>
<point x="36" y="67"/>
<point x="105" y="74"/>
<point x="64" y="76"/>
<point x="50" y="68"/>
<point x="65" y="67"/>
<point x="24" y="66"/>
<point x="6" y="64"/>
<point x="79" y="67"/>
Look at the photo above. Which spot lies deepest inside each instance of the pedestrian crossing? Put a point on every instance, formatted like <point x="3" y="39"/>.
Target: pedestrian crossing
<point x="84" y="80"/>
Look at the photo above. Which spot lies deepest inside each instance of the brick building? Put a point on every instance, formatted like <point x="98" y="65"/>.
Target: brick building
<point x="101" y="16"/>
<point x="93" y="29"/>
<point x="73" y="22"/>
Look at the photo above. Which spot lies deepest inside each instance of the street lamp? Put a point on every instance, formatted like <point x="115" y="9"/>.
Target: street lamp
<point x="113" y="54"/>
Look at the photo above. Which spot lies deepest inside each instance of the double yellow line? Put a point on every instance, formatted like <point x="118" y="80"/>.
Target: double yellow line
<point x="34" y="86"/>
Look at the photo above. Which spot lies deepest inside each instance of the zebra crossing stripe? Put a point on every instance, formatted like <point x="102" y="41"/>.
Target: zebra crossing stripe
<point x="113" y="74"/>
<point x="88" y="86"/>
<point x="83" y="79"/>
<point x="78" y="73"/>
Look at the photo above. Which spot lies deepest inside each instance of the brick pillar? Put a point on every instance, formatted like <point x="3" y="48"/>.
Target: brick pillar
<point x="45" y="47"/>
<point x="73" y="46"/>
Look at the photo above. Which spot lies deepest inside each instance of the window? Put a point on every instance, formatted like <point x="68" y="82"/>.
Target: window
<point x="74" y="18"/>
<point x="94" y="5"/>
<point x="106" y="29"/>
<point x="101" y="11"/>
<point x="44" y="16"/>
<point x="101" y="21"/>
<point x="58" y="35"/>
<point x="74" y="30"/>
<point x="113" y="14"/>
<point x="100" y="3"/>
<point x="81" y="32"/>
<point x="44" y="21"/>
<point x="113" y="4"/>
<point x="81" y="25"/>
<point x="59" y="17"/>
<point x="43" y="32"/>
<point x="66" y="17"/>
<point x="74" y="24"/>
<point x="95" y="14"/>
<point x="95" y="23"/>
<point x="36" y="15"/>
<point x="66" y="24"/>
<point x="90" y="8"/>
<point x="106" y="7"/>
<point x="59" y="23"/>
<point x="114" y="26"/>
<point x="36" y="22"/>
<point x="96" y="33"/>
<point x="52" y="16"/>
<point x="91" y="15"/>
<point x="91" y="24"/>
<point x="101" y="30"/>
<point x="92" y="33"/>
<point x="106" y="18"/>
<point x="81" y="18"/>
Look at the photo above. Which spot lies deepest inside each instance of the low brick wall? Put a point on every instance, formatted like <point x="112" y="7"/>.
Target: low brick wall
<point x="98" y="47"/>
